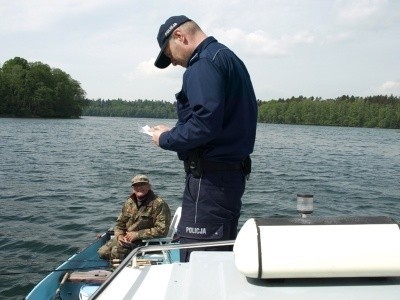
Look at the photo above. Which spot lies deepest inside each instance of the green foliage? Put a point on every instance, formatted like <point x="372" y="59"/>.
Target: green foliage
<point x="373" y="111"/>
<point x="134" y="109"/>
<point x="36" y="90"/>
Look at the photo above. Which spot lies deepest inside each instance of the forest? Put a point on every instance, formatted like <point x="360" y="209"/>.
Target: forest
<point x="132" y="109"/>
<point x="349" y="111"/>
<point x="34" y="89"/>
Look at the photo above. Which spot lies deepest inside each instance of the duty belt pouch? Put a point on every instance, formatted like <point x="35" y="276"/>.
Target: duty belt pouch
<point x="246" y="164"/>
<point x="194" y="164"/>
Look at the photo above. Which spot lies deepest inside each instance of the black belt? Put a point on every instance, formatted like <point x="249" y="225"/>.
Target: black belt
<point x="212" y="166"/>
<point x="220" y="166"/>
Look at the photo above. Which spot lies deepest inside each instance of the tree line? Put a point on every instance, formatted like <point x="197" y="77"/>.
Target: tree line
<point x="33" y="89"/>
<point x="373" y="111"/>
<point x="349" y="111"/>
<point x="132" y="109"/>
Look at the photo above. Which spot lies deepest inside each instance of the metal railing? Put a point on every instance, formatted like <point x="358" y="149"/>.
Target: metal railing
<point x="156" y="248"/>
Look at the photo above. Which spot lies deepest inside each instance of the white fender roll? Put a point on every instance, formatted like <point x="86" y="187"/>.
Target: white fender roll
<point x="318" y="248"/>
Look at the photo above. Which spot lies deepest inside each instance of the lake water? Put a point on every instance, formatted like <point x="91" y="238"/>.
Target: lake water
<point x="64" y="181"/>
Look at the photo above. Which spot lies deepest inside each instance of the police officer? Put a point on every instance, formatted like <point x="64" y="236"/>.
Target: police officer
<point x="215" y="132"/>
<point x="144" y="215"/>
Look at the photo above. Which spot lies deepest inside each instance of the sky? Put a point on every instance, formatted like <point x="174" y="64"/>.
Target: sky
<point x="320" y="48"/>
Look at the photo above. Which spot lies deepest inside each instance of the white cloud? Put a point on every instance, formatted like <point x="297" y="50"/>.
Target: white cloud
<point x="365" y="18"/>
<point x="261" y="43"/>
<point x="109" y="45"/>
<point x="390" y="87"/>
<point x="34" y="15"/>
<point x="147" y="69"/>
<point x="354" y="11"/>
<point x="338" y="37"/>
<point x="303" y="37"/>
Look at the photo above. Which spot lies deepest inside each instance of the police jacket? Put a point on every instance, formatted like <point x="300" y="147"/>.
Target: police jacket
<point x="217" y="107"/>
<point x="152" y="219"/>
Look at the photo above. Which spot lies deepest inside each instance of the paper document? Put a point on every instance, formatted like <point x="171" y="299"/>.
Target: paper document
<point x="146" y="129"/>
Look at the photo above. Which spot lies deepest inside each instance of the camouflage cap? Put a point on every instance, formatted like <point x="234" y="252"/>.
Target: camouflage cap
<point x="140" y="178"/>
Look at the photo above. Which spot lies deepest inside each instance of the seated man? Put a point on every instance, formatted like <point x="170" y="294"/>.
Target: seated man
<point x="144" y="215"/>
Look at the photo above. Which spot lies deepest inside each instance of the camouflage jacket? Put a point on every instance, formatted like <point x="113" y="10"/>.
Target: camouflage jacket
<point x="151" y="220"/>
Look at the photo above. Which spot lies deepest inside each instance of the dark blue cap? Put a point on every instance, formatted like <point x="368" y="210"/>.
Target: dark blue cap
<point x="164" y="33"/>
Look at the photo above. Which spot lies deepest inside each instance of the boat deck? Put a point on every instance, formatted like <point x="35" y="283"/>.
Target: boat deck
<point x="213" y="275"/>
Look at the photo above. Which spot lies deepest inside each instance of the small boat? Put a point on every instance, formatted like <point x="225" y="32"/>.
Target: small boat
<point x="84" y="272"/>
<point x="273" y="258"/>
<point x="63" y="281"/>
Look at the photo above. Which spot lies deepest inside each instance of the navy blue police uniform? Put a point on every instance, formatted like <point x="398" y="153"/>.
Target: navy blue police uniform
<point x="214" y="136"/>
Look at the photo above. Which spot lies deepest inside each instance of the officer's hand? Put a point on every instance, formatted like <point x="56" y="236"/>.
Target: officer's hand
<point x="157" y="131"/>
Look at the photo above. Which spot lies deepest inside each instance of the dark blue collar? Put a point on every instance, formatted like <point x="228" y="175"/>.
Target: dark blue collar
<point x="196" y="53"/>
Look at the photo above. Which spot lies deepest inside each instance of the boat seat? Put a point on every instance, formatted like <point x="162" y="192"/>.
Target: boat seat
<point x="93" y="276"/>
<point x="162" y="256"/>
<point x="171" y="232"/>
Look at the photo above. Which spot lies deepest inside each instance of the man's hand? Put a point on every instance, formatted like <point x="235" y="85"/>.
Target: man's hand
<point x="131" y="236"/>
<point x="157" y="131"/>
<point x="121" y="239"/>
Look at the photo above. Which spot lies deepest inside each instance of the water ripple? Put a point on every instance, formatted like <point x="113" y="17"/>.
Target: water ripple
<point x="64" y="181"/>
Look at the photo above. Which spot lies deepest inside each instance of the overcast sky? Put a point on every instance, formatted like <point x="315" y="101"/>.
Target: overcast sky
<point x="321" y="48"/>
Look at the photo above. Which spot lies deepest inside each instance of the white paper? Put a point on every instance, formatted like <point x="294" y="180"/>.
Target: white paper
<point x="146" y="129"/>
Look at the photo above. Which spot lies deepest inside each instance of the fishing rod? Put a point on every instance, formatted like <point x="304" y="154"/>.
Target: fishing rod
<point x="54" y="270"/>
